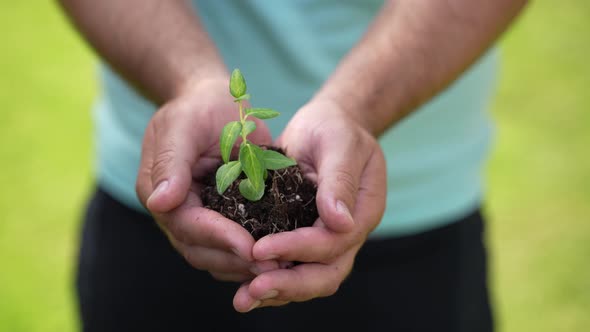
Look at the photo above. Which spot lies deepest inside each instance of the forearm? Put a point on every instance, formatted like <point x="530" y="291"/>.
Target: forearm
<point x="412" y="51"/>
<point x="159" y="46"/>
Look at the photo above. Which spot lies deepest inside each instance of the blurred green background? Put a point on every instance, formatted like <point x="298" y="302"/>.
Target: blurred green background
<point x="539" y="174"/>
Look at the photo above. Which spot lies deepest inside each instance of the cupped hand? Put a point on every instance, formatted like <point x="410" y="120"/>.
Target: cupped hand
<point x="180" y="146"/>
<point x="348" y="166"/>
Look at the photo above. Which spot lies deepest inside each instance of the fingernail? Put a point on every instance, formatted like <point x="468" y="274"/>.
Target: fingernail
<point x="263" y="266"/>
<point x="270" y="294"/>
<point x="235" y="251"/>
<point x="159" y="189"/>
<point x="255" y="269"/>
<point x="255" y="305"/>
<point x="271" y="256"/>
<point x="341" y="207"/>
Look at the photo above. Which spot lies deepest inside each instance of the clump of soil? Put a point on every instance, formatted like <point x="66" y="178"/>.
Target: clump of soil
<point x="288" y="202"/>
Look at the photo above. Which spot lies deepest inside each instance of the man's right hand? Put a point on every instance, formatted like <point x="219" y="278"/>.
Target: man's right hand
<point x="180" y="146"/>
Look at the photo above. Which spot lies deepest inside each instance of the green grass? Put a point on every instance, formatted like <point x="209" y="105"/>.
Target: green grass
<point x="46" y="88"/>
<point x="539" y="174"/>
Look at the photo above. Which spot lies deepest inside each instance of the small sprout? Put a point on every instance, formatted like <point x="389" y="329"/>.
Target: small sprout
<point x="252" y="160"/>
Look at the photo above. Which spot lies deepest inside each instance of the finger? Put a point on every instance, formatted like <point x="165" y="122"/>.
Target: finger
<point x="174" y="153"/>
<point x="213" y="260"/>
<point x="371" y="199"/>
<point x="219" y="262"/>
<point x="340" y="165"/>
<point x="301" y="283"/>
<point x="243" y="302"/>
<point x="195" y="225"/>
<point x="204" y="166"/>
<point x="271" y="303"/>
<point x="260" y="267"/>
<point x="320" y="244"/>
<point x="143" y="184"/>
<point x="305" y="244"/>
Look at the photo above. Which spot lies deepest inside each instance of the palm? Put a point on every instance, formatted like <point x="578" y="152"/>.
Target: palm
<point x="349" y="168"/>
<point x="180" y="147"/>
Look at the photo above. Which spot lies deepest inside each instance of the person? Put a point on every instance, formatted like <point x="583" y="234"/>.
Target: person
<point x="384" y="106"/>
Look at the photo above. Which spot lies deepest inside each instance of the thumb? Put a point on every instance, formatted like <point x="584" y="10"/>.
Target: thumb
<point x="173" y="155"/>
<point x="339" y="175"/>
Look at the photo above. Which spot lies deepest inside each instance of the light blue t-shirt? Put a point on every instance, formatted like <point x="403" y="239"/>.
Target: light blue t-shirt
<point x="286" y="50"/>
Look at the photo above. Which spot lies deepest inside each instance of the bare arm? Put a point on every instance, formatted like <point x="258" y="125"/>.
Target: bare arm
<point x="412" y="51"/>
<point x="159" y="46"/>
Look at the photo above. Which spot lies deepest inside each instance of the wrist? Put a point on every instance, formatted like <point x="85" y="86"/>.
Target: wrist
<point x="210" y="80"/>
<point x="206" y="103"/>
<point x="342" y="107"/>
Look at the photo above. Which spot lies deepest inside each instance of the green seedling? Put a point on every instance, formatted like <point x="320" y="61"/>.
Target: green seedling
<point x="252" y="160"/>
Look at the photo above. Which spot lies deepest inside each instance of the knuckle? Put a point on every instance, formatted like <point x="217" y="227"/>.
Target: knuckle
<point x="190" y="258"/>
<point x="162" y="162"/>
<point x="175" y="229"/>
<point x="346" y="180"/>
<point x="332" y="252"/>
<point x="339" y="274"/>
<point x="331" y="289"/>
<point x="194" y="257"/>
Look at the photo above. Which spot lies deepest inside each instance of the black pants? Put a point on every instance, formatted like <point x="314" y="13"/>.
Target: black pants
<point x="131" y="279"/>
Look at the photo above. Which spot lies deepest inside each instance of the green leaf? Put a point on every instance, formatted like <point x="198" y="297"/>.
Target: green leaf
<point x="243" y="97"/>
<point x="262" y="113"/>
<point x="275" y="160"/>
<point x="237" y="84"/>
<point x="259" y="154"/>
<point x="226" y="174"/>
<point x="228" y="137"/>
<point x="249" y="127"/>
<point x="249" y="191"/>
<point x="252" y="165"/>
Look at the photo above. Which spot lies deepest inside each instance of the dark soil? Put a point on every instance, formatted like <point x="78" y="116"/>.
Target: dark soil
<point x="288" y="203"/>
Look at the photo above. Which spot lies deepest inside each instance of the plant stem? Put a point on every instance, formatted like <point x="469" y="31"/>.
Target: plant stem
<point x="242" y="121"/>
